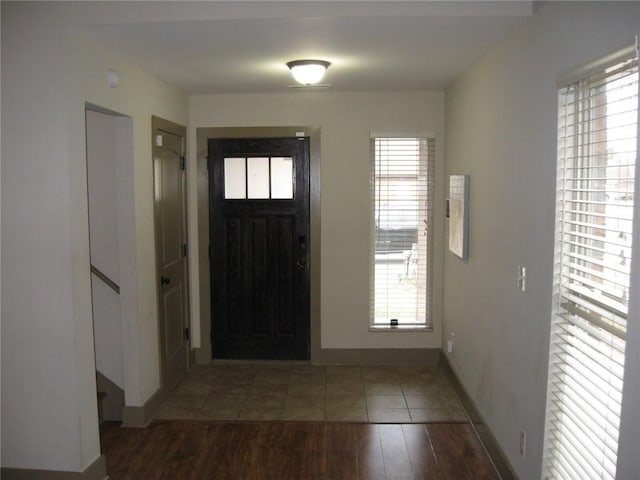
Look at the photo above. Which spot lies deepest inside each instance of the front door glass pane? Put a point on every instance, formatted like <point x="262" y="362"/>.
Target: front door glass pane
<point x="282" y="177"/>
<point x="258" y="177"/>
<point x="235" y="178"/>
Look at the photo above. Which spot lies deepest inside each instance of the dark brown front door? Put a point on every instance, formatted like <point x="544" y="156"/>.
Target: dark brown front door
<point x="259" y="230"/>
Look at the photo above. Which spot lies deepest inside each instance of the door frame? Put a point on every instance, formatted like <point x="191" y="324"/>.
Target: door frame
<point x="158" y="123"/>
<point x="122" y="143"/>
<point x="203" y="134"/>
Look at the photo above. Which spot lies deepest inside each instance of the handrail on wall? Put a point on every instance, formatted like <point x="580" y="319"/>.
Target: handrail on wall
<point x="113" y="285"/>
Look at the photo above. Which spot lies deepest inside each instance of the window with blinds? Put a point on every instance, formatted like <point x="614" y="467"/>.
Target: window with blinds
<point x="402" y="193"/>
<point x="597" y="140"/>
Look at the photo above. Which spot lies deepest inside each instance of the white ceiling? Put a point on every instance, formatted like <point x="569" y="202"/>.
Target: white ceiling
<point x="241" y="47"/>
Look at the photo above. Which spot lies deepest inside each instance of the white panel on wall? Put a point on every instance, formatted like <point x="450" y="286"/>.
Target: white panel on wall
<point x="459" y="215"/>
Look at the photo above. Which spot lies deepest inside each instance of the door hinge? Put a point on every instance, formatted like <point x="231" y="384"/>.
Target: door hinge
<point x="182" y="163"/>
<point x="186" y="333"/>
<point x="209" y="251"/>
<point x="184" y="250"/>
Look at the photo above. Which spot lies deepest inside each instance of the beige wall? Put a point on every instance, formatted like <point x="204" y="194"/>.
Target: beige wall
<point x="345" y="121"/>
<point x="49" y="411"/>
<point x="501" y="130"/>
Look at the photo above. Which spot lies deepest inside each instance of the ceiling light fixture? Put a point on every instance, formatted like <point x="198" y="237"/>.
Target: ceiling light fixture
<point x="308" y="72"/>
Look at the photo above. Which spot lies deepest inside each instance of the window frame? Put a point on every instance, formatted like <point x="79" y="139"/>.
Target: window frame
<point x="429" y="176"/>
<point x="588" y="335"/>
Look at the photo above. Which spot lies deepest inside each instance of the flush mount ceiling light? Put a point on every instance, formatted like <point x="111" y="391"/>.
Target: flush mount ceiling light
<point x="308" y="72"/>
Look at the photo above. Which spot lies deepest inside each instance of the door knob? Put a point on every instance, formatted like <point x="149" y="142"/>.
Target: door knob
<point x="165" y="280"/>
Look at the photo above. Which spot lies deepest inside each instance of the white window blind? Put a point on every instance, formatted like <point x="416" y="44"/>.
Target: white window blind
<point x="597" y="140"/>
<point x="402" y="193"/>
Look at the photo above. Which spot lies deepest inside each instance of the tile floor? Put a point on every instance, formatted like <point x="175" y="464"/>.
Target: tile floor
<point x="376" y="394"/>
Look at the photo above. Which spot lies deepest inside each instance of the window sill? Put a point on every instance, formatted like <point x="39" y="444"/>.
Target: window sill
<point x="400" y="328"/>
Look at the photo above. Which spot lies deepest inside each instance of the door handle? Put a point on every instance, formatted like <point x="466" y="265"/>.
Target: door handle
<point x="303" y="257"/>
<point x="165" y="280"/>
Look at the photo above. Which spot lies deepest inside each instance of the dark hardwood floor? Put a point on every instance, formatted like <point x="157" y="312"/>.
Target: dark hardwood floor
<point x="182" y="449"/>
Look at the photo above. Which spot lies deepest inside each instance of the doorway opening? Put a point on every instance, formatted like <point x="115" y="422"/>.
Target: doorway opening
<point x="201" y="177"/>
<point x="109" y="156"/>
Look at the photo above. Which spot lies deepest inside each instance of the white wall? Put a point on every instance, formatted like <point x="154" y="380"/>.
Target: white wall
<point x="102" y="191"/>
<point x="38" y="335"/>
<point x="501" y="130"/>
<point x="346" y="120"/>
<point x="48" y="73"/>
<point x="107" y="331"/>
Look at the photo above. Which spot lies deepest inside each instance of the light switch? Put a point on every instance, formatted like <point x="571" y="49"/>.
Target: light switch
<point x="522" y="278"/>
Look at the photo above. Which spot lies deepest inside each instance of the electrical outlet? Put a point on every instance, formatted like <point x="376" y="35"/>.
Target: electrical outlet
<point x="523" y="443"/>
<point x="450" y="343"/>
